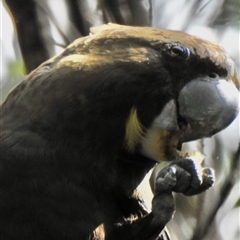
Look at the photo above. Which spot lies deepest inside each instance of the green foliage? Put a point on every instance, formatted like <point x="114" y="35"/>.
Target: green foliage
<point x="16" y="69"/>
<point x="16" y="72"/>
<point x="237" y="204"/>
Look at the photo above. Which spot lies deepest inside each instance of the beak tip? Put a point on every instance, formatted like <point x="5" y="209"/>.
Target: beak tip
<point x="207" y="107"/>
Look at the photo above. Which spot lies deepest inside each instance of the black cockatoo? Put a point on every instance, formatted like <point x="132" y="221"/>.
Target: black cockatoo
<point x="80" y="132"/>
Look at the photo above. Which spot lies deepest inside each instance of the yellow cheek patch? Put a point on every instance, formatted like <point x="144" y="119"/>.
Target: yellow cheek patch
<point x="160" y="144"/>
<point x="134" y="130"/>
<point x="156" y="143"/>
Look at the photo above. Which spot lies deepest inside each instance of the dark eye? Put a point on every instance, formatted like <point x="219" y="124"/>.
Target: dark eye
<point x="179" y="51"/>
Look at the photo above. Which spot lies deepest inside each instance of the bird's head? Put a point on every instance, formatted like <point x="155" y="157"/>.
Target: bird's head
<point x="193" y="81"/>
<point x="147" y="89"/>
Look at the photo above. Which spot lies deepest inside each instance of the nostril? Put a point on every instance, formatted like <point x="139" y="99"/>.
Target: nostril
<point x="213" y="75"/>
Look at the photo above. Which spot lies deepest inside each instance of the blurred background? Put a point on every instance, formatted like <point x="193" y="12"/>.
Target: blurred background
<point x="33" y="31"/>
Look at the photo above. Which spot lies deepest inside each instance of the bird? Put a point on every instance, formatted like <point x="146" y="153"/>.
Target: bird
<point x="82" y="130"/>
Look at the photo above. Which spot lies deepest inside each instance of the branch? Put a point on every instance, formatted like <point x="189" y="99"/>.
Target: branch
<point x="31" y="29"/>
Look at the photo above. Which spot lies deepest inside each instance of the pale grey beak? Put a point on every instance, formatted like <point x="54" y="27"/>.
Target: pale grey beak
<point x="207" y="107"/>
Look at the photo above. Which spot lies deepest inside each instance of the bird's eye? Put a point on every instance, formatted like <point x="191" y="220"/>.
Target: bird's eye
<point x="179" y="51"/>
